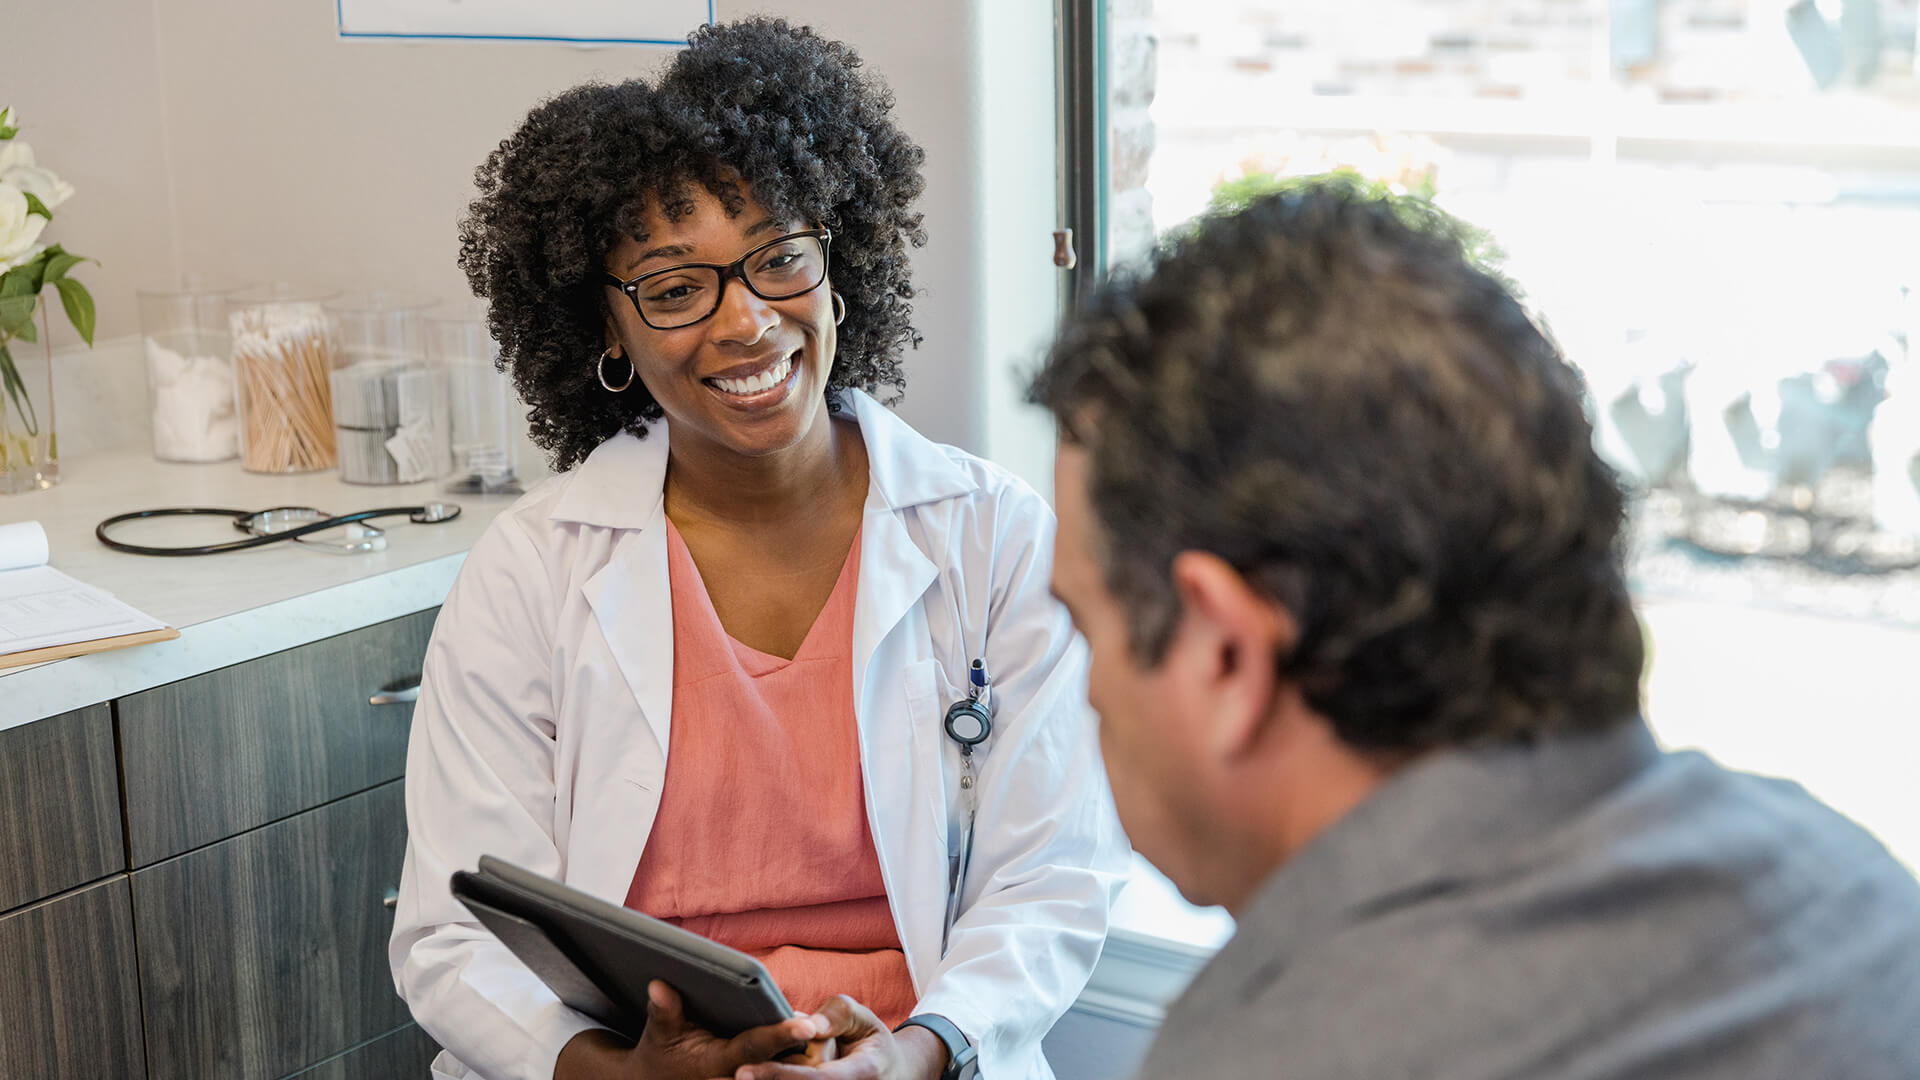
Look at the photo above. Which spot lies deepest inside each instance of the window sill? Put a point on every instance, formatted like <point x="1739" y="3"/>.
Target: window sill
<point x="1157" y="944"/>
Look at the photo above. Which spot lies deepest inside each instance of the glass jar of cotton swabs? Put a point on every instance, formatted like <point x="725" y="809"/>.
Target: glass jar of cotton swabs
<point x="389" y="399"/>
<point x="282" y="358"/>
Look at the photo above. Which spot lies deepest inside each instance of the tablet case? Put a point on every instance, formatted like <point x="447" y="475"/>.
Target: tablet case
<point x="598" y="957"/>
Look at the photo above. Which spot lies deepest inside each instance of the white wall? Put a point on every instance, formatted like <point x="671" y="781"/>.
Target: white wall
<point x="86" y="79"/>
<point x="244" y="140"/>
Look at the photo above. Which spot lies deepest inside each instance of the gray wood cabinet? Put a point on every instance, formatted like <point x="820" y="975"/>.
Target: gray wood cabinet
<point x="404" y="1053"/>
<point x="233" y="749"/>
<point x="71" y="1004"/>
<point x="264" y="953"/>
<point x="59" y="806"/>
<point x="260" y="813"/>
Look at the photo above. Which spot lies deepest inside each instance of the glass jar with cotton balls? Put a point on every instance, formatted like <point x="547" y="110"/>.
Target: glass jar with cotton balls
<point x="189" y="366"/>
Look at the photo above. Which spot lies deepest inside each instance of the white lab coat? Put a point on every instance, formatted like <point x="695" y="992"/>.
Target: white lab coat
<point x="540" y="737"/>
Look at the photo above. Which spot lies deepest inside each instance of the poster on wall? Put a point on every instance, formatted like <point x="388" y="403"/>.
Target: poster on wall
<point x="640" y="22"/>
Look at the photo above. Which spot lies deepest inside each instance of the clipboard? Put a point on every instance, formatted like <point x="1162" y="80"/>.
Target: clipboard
<point x="82" y="648"/>
<point x="599" y="957"/>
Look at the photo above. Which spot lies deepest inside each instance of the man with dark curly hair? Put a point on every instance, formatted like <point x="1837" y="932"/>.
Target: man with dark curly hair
<point x="714" y="670"/>
<point x="1368" y="675"/>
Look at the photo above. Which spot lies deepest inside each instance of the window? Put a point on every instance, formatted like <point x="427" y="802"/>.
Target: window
<point x="1715" y="207"/>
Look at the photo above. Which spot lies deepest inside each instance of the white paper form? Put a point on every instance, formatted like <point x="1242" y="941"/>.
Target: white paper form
<point x="22" y="543"/>
<point x="42" y="607"/>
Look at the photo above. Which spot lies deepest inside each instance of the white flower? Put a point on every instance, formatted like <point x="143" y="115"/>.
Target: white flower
<point x="17" y="168"/>
<point x="18" y="229"/>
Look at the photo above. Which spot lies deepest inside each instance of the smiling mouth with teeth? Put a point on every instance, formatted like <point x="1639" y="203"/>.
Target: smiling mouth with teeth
<point x="753" y="384"/>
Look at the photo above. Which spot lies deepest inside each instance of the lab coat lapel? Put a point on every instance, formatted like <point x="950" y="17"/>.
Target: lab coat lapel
<point x="905" y="470"/>
<point x="622" y="486"/>
<point x="632" y="601"/>
<point x="894" y="575"/>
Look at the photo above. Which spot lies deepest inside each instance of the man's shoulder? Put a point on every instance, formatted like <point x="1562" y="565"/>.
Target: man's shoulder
<point x="1693" y="908"/>
<point x="1765" y="838"/>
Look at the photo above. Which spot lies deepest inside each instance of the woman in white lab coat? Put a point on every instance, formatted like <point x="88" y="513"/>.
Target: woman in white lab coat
<point x="697" y="283"/>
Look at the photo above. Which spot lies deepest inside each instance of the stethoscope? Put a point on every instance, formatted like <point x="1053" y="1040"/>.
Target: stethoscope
<point x="968" y="722"/>
<point x="279" y="523"/>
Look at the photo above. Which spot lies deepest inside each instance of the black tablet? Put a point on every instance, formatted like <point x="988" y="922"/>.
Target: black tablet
<point x="599" y="957"/>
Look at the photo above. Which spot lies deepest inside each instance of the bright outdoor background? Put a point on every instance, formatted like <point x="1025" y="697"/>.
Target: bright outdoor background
<point x="1714" y="205"/>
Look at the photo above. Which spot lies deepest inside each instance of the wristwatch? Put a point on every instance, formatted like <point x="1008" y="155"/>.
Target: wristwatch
<point x="962" y="1058"/>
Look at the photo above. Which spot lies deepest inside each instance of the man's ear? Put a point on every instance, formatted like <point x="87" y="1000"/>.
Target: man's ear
<point x="1230" y="641"/>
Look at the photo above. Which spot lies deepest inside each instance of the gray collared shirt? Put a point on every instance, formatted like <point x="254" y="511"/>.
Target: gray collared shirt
<point x="1580" y="907"/>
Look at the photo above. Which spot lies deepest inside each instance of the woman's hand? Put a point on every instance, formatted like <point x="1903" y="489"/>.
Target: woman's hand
<point x="868" y="1051"/>
<point x="671" y="1048"/>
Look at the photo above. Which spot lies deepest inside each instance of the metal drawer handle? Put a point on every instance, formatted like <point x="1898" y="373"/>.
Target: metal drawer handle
<point x="391" y="899"/>
<point x="399" y="692"/>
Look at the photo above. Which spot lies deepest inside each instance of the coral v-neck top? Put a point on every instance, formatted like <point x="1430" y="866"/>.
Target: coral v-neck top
<point x="761" y="841"/>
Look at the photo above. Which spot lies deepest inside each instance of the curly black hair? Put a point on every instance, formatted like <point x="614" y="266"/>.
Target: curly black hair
<point x="1326" y="392"/>
<point x="787" y="112"/>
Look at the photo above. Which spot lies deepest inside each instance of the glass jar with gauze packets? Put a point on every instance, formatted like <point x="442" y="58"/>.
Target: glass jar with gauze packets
<point x="484" y="426"/>
<point x="282" y="356"/>
<point x="389" y="399"/>
<point x="189" y="373"/>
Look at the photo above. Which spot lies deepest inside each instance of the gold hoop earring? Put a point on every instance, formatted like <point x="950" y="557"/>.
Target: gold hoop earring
<point x="839" y="308"/>
<point x="601" y="370"/>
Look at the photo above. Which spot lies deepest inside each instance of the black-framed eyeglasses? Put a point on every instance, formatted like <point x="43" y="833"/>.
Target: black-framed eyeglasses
<point x="779" y="269"/>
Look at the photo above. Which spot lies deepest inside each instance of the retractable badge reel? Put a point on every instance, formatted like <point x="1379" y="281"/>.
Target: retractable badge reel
<point x="969" y="722"/>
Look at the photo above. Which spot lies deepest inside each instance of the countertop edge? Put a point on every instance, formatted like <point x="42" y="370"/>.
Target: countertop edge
<point x="61" y="686"/>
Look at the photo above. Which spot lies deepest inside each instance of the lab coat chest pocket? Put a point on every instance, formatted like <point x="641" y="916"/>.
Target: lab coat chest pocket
<point x="928" y="694"/>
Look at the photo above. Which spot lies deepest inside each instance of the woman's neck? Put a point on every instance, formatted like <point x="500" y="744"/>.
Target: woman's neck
<point x="711" y="483"/>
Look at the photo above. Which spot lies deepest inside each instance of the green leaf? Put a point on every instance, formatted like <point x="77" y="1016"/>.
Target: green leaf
<point x="25" y="279"/>
<point x="8" y="133"/>
<point x="26" y="331"/>
<point x="79" y="304"/>
<point x="15" y="312"/>
<point x="35" y="206"/>
<point x="59" y="264"/>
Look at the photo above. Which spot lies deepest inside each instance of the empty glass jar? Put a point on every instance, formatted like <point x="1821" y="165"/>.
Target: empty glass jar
<point x="483" y="428"/>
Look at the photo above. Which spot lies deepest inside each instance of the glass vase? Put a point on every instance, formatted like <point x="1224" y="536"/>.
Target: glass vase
<point x="29" y="451"/>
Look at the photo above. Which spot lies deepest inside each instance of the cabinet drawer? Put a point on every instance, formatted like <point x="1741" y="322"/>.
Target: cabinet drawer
<point x="59" y="806"/>
<point x="71" y="1006"/>
<point x="267" y="953"/>
<point x="406" y="1053"/>
<point x="215" y="755"/>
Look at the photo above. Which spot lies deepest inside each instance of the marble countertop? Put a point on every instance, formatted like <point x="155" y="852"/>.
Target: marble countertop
<point x="229" y="607"/>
